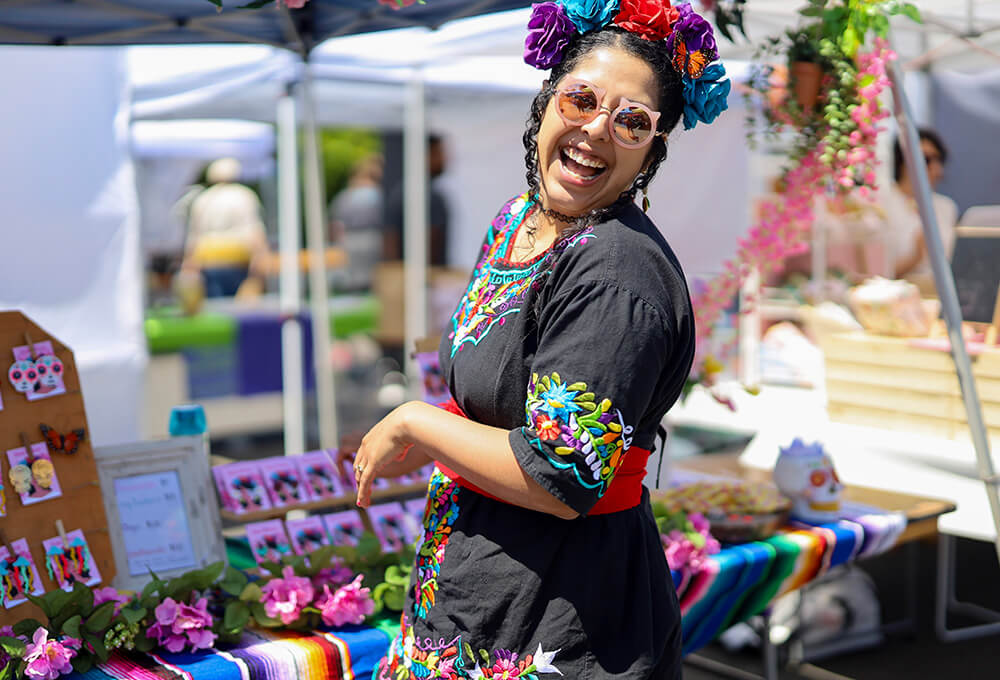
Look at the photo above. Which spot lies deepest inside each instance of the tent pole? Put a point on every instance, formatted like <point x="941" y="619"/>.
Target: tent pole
<point x="290" y="294"/>
<point x="916" y="168"/>
<point x="326" y="401"/>
<point x="415" y="217"/>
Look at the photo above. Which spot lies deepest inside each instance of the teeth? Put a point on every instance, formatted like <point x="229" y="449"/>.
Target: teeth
<point x="584" y="160"/>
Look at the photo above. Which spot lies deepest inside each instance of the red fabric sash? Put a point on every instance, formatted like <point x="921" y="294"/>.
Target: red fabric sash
<point x="624" y="492"/>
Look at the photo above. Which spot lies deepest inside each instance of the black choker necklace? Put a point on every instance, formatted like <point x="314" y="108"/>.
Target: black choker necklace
<point x="556" y="215"/>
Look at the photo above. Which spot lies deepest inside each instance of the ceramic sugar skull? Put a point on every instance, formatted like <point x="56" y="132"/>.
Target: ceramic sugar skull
<point x="50" y="370"/>
<point x="805" y="473"/>
<point x="20" y="478"/>
<point x="23" y="375"/>
<point x="43" y="472"/>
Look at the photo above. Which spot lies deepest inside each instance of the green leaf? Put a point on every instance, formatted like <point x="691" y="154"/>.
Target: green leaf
<point x="144" y="644"/>
<point x="484" y="655"/>
<point x="812" y="11"/>
<point x="205" y="577"/>
<point x="233" y="581"/>
<point x="7" y="672"/>
<point x="133" y="616"/>
<point x="261" y="617"/>
<point x="256" y="4"/>
<point x="236" y="616"/>
<point x="395" y="575"/>
<point x="910" y="10"/>
<point x="27" y="627"/>
<point x="467" y="648"/>
<point x="84" y="596"/>
<point x="82" y="663"/>
<point x="251" y="593"/>
<point x="880" y="24"/>
<point x="395" y="599"/>
<point x="321" y="558"/>
<point x="369" y="547"/>
<point x="13" y="647"/>
<point x="273" y="568"/>
<point x="101" y="618"/>
<point x="55" y="602"/>
<point x="150" y="587"/>
<point x="72" y="626"/>
<point x="100" y="651"/>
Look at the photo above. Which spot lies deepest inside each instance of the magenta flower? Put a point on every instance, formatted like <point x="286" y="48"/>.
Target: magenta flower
<point x="48" y="659"/>
<point x="549" y="32"/>
<point x="294" y="4"/>
<point x="178" y="625"/>
<point x="334" y="576"/>
<point x="284" y="598"/>
<point x="350" y="604"/>
<point x="109" y="594"/>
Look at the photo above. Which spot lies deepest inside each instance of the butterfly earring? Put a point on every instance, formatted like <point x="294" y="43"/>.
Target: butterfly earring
<point x="67" y="443"/>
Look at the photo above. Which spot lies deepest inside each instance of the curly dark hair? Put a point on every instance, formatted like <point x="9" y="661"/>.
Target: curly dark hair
<point x="670" y="105"/>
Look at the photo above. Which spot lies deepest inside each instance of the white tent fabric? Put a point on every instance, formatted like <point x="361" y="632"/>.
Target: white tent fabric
<point x="70" y="228"/>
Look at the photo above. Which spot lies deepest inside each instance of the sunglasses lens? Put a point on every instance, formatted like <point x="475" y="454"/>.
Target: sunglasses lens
<point x="633" y="125"/>
<point x="577" y="102"/>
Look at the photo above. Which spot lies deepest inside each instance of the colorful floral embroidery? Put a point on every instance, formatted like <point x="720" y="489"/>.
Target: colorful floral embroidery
<point x="495" y="292"/>
<point x="571" y="421"/>
<point x="440" y="515"/>
<point x="411" y="658"/>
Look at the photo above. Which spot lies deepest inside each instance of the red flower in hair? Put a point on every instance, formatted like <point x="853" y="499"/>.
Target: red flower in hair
<point x="650" y="19"/>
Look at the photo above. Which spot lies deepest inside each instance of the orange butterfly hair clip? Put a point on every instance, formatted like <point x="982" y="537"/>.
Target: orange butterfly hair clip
<point x="67" y="443"/>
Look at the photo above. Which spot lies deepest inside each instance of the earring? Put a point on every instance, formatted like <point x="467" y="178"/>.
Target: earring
<point x="645" y="199"/>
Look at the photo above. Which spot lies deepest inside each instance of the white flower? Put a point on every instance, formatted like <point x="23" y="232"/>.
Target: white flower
<point x="476" y="673"/>
<point x="543" y="661"/>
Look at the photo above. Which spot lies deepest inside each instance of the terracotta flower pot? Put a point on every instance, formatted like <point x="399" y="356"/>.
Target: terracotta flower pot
<point x="806" y="77"/>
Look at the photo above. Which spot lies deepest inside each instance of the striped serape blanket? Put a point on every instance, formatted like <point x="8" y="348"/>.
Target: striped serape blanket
<point x="350" y="652"/>
<point x="742" y="580"/>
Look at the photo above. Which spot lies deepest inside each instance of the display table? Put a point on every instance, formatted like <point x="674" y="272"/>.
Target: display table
<point x="228" y="359"/>
<point x="739" y="582"/>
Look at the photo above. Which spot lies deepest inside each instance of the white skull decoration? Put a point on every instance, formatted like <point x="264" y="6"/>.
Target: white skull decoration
<point x="806" y="475"/>
<point x="49" y="370"/>
<point x="23" y="375"/>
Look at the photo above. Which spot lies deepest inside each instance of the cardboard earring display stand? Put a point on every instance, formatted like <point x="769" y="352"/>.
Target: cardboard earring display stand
<point x="80" y="506"/>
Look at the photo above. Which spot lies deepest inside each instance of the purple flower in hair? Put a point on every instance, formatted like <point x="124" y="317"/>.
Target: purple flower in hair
<point x="549" y="32"/>
<point x="694" y="32"/>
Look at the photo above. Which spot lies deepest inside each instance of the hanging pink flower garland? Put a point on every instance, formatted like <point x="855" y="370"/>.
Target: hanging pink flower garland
<point x="784" y="225"/>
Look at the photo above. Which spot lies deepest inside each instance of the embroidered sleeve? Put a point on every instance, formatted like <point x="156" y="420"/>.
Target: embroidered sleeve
<point x="593" y="386"/>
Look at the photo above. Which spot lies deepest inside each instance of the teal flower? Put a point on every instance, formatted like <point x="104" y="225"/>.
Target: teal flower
<point x="706" y="97"/>
<point x="588" y="15"/>
<point x="557" y="401"/>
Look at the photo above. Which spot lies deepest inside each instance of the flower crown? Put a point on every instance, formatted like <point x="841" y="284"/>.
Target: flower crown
<point x="682" y="32"/>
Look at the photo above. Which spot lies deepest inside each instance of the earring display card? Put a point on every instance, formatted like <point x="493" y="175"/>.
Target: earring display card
<point x="48" y="370"/>
<point x="241" y="487"/>
<point x="18" y="574"/>
<point x="283" y="482"/>
<point x="345" y="528"/>
<point x="69" y="561"/>
<point x="390" y="524"/>
<point x="319" y="475"/>
<point x="35" y="480"/>
<point x="268" y="541"/>
<point x="307" y="534"/>
<point x="419" y="476"/>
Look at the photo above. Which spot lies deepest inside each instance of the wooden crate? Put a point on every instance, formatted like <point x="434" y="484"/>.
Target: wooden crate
<point x="887" y="382"/>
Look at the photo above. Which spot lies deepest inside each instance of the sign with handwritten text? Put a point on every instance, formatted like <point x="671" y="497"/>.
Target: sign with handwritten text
<point x="154" y="523"/>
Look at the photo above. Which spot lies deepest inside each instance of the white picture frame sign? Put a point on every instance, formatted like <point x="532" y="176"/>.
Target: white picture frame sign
<point x="162" y="511"/>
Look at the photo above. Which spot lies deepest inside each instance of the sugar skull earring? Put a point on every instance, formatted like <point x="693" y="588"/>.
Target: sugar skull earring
<point x="20" y="477"/>
<point x="23" y="375"/>
<point x="49" y="370"/>
<point x="43" y="472"/>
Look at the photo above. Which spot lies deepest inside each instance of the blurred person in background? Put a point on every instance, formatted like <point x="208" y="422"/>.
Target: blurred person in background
<point x="356" y="219"/>
<point x="437" y="207"/>
<point x="226" y="239"/>
<point x="904" y="230"/>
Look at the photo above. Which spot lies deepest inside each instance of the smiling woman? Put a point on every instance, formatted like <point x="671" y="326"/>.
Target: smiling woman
<point x="540" y="555"/>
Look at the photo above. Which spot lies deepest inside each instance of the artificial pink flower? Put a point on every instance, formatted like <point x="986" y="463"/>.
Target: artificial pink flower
<point x="350" y="604"/>
<point x="109" y="594"/>
<point x="180" y="624"/>
<point x="48" y="659"/>
<point x="294" y="4"/>
<point x="284" y="598"/>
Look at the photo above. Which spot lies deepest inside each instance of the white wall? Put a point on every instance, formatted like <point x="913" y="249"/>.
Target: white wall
<point x="69" y="232"/>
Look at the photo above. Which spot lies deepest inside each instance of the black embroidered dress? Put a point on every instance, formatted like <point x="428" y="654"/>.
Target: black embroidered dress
<point x="499" y="591"/>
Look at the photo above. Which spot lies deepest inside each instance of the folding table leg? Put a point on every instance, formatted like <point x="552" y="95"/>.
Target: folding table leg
<point x="946" y="601"/>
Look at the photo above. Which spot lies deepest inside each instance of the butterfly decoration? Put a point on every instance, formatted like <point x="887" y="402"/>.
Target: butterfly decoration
<point x="692" y="65"/>
<point x="67" y="443"/>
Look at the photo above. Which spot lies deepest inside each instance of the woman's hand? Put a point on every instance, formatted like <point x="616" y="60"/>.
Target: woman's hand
<point x="385" y="443"/>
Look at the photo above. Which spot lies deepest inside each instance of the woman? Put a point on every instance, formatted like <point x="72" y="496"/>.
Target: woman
<point x="540" y="555"/>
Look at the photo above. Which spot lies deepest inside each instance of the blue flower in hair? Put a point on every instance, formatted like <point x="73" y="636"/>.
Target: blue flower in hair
<point x="706" y="97"/>
<point x="587" y="15"/>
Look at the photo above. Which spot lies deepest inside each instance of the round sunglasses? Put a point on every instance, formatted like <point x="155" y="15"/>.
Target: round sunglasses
<point x="632" y="125"/>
